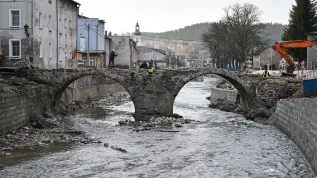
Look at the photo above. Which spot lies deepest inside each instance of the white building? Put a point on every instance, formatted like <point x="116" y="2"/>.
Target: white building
<point x="312" y="52"/>
<point x="125" y="47"/>
<point x="44" y="30"/>
<point x="196" y="63"/>
<point x="158" y="56"/>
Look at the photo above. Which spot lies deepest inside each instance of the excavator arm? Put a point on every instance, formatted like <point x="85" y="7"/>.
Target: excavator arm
<point x="281" y="48"/>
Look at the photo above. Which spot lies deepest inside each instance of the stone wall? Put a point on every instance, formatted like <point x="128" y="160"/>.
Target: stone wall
<point x="17" y="108"/>
<point x="297" y="118"/>
<point x="90" y="87"/>
<point x="217" y="93"/>
<point x="83" y="93"/>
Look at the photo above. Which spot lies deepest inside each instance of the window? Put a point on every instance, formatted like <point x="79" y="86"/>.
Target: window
<point x="41" y="50"/>
<point x="65" y="23"/>
<point x="50" y="50"/>
<point x="49" y="23"/>
<point x="60" y="26"/>
<point x="82" y="44"/>
<point x="60" y="54"/>
<point x="50" y="1"/>
<point x="14" y="48"/>
<point x="65" y="39"/>
<point x="70" y="28"/>
<point x="40" y="20"/>
<point x="15" y="18"/>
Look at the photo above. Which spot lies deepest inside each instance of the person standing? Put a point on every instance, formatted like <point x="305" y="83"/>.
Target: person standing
<point x="150" y="68"/>
<point x="143" y="65"/>
<point x="113" y="54"/>
<point x="266" y="73"/>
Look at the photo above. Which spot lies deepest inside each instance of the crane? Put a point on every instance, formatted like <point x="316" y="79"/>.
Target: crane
<point x="281" y="48"/>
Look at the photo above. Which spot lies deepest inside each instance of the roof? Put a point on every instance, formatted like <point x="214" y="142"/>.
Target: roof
<point x="154" y="49"/>
<point x="260" y="50"/>
<point x="74" y="2"/>
<point x="84" y="17"/>
<point x="196" y="59"/>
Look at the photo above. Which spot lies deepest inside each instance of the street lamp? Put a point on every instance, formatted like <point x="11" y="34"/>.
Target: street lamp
<point x="26" y="29"/>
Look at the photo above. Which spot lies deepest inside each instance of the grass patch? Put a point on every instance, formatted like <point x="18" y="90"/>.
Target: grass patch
<point x="24" y="81"/>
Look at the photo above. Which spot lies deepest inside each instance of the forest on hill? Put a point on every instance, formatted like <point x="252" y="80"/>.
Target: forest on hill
<point x="194" y="32"/>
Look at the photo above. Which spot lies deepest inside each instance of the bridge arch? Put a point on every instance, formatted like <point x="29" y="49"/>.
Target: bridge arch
<point x="72" y="76"/>
<point x="247" y="97"/>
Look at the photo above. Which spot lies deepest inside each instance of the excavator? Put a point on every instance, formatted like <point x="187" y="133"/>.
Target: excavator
<point x="281" y="48"/>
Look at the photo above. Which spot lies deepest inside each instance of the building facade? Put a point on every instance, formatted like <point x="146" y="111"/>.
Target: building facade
<point x="265" y="56"/>
<point x="312" y="52"/>
<point x="126" y="49"/>
<point x="177" y="46"/>
<point x="95" y="43"/>
<point x="196" y="63"/>
<point x="42" y="31"/>
<point x="158" y="56"/>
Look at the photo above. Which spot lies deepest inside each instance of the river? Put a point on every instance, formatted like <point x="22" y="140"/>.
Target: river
<point x="221" y="145"/>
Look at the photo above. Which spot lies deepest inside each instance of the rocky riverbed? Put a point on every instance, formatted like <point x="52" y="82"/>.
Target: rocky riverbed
<point x="43" y="131"/>
<point x="161" y="124"/>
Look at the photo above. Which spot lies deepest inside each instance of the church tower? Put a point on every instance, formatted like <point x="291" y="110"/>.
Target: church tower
<point x="137" y="29"/>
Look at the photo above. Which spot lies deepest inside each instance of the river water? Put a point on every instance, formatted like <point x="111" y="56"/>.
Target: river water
<point x="221" y="145"/>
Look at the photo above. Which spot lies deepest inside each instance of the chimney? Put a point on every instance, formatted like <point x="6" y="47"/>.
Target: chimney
<point x="106" y="33"/>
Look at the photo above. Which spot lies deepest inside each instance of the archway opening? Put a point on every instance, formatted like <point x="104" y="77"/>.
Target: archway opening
<point x="91" y="94"/>
<point x="206" y="91"/>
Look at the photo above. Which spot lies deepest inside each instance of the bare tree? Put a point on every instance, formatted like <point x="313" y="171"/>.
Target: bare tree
<point x="237" y="34"/>
<point x="215" y="40"/>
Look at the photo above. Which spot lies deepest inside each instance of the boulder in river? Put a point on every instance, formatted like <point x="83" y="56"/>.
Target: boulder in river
<point x="178" y="125"/>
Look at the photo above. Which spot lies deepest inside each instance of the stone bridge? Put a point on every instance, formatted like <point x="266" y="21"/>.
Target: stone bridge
<point x="151" y="94"/>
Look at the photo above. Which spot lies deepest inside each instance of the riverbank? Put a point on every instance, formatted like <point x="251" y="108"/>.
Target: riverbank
<point x="56" y="129"/>
<point x="268" y="91"/>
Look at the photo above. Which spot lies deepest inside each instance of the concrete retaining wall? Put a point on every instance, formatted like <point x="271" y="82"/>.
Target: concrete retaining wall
<point x="297" y="118"/>
<point x="217" y="93"/>
<point x="16" y="108"/>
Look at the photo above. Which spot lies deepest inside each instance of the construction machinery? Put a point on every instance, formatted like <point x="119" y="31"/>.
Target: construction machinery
<point x="282" y="46"/>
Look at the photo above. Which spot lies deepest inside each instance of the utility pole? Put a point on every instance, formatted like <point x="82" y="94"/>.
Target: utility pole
<point x="88" y="56"/>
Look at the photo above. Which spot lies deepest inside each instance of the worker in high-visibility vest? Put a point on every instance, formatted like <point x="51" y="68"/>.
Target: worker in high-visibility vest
<point x="266" y="73"/>
<point x="150" y="69"/>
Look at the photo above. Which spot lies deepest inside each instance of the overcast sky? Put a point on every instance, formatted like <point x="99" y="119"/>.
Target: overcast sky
<point x="163" y="15"/>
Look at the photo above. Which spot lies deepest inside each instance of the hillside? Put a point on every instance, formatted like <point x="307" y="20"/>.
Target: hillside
<point x="194" y="32"/>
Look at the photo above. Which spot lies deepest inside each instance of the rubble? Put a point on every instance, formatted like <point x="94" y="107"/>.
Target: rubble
<point x="49" y="129"/>
<point x="53" y="131"/>
<point x="157" y="123"/>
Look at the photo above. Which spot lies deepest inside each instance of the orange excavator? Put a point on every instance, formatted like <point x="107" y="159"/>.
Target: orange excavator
<point x="281" y="48"/>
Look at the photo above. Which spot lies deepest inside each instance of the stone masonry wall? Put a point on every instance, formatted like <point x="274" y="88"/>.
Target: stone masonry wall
<point x="17" y="108"/>
<point x="83" y="93"/>
<point x="217" y="93"/>
<point x="297" y="118"/>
